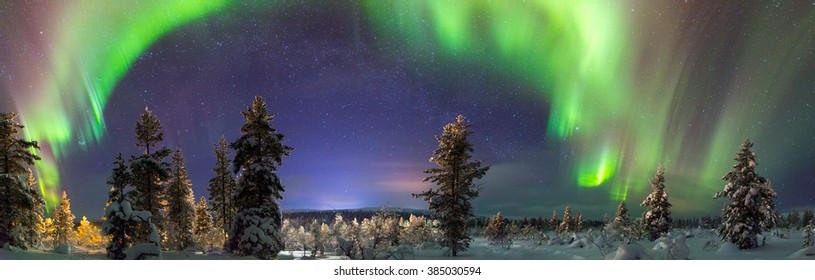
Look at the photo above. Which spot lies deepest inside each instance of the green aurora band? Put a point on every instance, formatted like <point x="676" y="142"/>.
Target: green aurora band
<point x="96" y="45"/>
<point x="606" y="100"/>
<point x="565" y="48"/>
<point x="625" y="106"/>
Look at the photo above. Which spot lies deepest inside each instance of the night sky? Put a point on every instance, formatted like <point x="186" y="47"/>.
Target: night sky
<point x="571" y="103"/>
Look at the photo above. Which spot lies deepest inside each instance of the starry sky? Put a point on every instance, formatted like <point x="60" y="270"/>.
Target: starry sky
<point x="572" y="103"/>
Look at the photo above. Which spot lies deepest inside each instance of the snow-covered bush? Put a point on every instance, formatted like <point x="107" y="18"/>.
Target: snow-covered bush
<point x="380" y="235"/>
<point x="418" y="233"/>
<point x="255" y="233"/>
<point x="120" y="223"/>
<point x="622" y="229"/>
<point x="348" y="237"/>
<point x="496" y="230"/>
<point x="315" y="238"/>
<point x="540" y="237"/>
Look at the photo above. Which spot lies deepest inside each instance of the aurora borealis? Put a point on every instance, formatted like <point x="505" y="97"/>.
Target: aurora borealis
<point x="573" y="102"/>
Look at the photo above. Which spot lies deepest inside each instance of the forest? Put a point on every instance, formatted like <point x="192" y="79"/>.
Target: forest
<point x="151" y="208"/>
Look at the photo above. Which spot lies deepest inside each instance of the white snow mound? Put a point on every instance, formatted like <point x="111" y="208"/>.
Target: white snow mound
<point x="727" y="248"/>
<point x="631" y="252"/>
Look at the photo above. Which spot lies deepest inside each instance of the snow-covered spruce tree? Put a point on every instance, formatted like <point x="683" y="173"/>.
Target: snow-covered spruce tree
<point x="258" y="152"/>
<point x="222" y="188"/>
<point x="17" y="201"/>
<point x="567" y="222"/>
<point x="554" y="222"/>
<point x="28" y="232"/>
<point x="205" y="234"/>
<point x="450" y="202"/>
<point x="496" y="230"/>
<point x="115" y="227"/>
<point x="809" y="231"/>
<point x="149" y="172"/>
<point x="180" y="205"/>
<point x="621" y="228"/>
<point x="578" y="223"/>
<point x="130" y="231"/>
<point x="751" y="209"/>
<point x="121" y="217"/>
<point x="64" y="233"/>
<point x="203" y="219"/>
<point x="657" y="219"/>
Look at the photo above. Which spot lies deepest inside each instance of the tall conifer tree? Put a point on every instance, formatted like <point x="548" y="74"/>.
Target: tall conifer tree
<point x="149" y="171"/>
<point x="751" y="209"/>
<point x="180" y="205"/>
<point x="454" y="176"/>
<point x="657" y="219"/>
<point x="258" y="153"/>
<point x="566" y="224"/>
<point x="17" y="199"/>
<point x="64" y="222"/>
<point x="578" y="223"/>
<point x="222" y="188"/>
<point x="33" y="216"/>
<point x="554" y="222"/>
<point x="203" y="219"/>
<point x="116" y="226"/>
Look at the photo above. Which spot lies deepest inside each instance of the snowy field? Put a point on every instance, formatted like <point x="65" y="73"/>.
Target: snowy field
<point x="701" y="245"/>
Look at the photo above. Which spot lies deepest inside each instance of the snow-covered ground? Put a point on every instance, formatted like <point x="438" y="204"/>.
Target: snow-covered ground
<point x="702" y="245"/>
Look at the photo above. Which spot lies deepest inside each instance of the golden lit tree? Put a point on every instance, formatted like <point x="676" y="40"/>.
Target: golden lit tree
<point x="64" y="223"/>
<point x="88" y="234"/>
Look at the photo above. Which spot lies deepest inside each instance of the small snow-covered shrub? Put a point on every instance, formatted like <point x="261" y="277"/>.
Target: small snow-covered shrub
<point x="255" y="234"/>
<point x="120" y="223"/>
<point x="496" y="230"/>
<point x="662" y="243"/>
